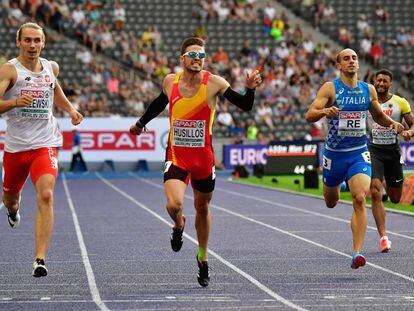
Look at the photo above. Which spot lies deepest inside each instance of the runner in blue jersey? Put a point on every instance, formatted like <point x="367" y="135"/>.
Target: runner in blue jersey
<point x="345" y="103"/>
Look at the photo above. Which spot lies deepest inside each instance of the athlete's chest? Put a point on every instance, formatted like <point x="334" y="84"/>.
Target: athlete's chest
<point x="391" y="109"/>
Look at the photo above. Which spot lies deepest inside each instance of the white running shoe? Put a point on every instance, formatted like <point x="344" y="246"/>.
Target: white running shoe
<point x="14" y="220"/>
<point x="385" y="244"/>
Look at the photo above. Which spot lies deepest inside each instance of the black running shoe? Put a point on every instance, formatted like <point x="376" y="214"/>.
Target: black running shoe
<point x="203" y="274"/>
<point x="177" y="238"/>
<point x="39" y="268"/>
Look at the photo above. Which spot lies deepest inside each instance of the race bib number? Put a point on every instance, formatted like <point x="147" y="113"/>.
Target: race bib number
<point x="40" y="106"/>
<point x="327" y="163"/>
<point x="189" y="133"/>
<point x="383" y="136"/>
<point x="352" y="123"/>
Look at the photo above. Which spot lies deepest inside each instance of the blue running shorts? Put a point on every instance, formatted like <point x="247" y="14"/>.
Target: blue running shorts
<point x="340" y="166"/>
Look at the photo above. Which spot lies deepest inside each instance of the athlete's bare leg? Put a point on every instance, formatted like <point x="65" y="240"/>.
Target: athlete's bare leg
<point x="359" y="186"/>
<point x="175" y="191"/>
<point x="44" y="218"/>
<point x="203" y="219"/>
<point x="331" y="195"/>
<point x="378" y="210"/>
<point x="11" y="202"/>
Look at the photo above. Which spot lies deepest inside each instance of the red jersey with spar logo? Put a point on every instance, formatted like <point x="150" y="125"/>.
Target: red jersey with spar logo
<point x="190" y="139"/>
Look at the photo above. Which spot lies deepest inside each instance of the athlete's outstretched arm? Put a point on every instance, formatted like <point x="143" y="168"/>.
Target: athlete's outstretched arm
<point x="61" y="101"/>
<point x="244" y="102"/>
<point x="8" y="75"/>
<point x="318" y="109"/>
<point x="379" y="116"/>
<point x="155" y="107"/>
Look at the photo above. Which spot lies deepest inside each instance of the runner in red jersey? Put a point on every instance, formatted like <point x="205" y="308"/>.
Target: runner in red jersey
<point x="28" y="92"/>
<point x="192" y="95"/>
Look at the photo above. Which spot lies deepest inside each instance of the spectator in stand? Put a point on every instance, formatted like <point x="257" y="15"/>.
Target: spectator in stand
<point x="269" y="11"/>
<point x="381" y="13"/>
<point x="15" y="16"/>
<point x="308" y="44"/>
<point x="84" y="56"/>
<point x="363" y="25"/>
<point x="264" y="114"/>
<point x="377" y="53"/>
<point x="365" y="47"/>
<point x="328" y="13"/>
<point x="402" y="37"/>
<point x="113" y="84"/>
<point x="78" y="16"/>
<point x="224" y="117"/>
<point x="345" y="37"/>
<point x="223" y="12"/>
<point x="106" y="40"/>
<point x="119" y="16"/>
<point x="252" y="130"/>
<point x="221" y="57"/>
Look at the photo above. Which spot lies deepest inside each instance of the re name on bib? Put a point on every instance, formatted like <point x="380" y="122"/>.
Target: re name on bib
<point x="352" y="123"/>
<point x="189" y="133"/>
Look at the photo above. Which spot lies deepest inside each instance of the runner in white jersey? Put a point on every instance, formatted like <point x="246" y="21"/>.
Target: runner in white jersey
<point x="28" y="91"/>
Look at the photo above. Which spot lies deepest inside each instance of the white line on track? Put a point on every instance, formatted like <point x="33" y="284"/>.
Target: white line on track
<point x="214" y="254"/>
<point x="89" y="272"/>
<point x="287" y="232"/>
<point x="304" y="211"/>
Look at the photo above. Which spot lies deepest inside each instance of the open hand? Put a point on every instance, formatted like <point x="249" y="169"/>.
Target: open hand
<point x="253" y="79"/>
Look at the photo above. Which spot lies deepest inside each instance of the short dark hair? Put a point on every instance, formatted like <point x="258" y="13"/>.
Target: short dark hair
<point x="191" y="41"/>
<point x="385" y="72"/>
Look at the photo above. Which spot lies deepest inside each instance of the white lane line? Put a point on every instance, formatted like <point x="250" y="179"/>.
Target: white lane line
<point x="303" y="210"/>
<point x="89" y="272"/>
<point x="211" y="252"/>
<point x="289" y="233"/>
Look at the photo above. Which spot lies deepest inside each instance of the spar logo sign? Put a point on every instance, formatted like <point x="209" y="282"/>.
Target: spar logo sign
<point x="112" y="140"/>
<point x="34" y="94"/>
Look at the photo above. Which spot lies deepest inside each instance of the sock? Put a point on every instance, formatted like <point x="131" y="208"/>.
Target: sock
<point x="201" y="253"/>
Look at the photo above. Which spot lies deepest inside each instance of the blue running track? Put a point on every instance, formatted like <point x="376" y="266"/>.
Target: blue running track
<point x="269" y="250"/>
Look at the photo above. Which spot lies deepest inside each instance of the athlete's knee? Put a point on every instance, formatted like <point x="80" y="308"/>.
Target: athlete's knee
<point x="46" y="195"/>
<point x="359" y="199"/>
<point x="174" y="205"/>
<point x="202" y="209"/>
<point x="376" y="194"/>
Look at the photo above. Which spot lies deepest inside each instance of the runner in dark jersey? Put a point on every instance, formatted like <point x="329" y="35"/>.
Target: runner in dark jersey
<point x="385" y="152"/>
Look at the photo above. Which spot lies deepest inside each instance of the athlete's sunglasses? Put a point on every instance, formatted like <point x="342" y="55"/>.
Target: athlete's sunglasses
<point x="193" y="54"/>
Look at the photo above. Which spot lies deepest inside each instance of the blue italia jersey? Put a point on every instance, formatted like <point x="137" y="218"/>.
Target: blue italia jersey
<point x="347" y="131"/>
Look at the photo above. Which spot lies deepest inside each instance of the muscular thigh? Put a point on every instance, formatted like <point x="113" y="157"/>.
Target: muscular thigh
<point x="44" y="161"/>
<point x="15" y="171"/>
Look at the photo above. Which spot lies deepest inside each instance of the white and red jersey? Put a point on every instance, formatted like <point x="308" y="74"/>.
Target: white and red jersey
<point x="32" y="127"/>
